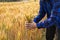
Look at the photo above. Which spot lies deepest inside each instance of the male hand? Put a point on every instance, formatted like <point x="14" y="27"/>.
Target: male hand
<point x="31" y="25"/>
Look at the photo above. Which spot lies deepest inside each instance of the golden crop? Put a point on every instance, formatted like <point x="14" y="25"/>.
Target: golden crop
<point x="12" y="21"/>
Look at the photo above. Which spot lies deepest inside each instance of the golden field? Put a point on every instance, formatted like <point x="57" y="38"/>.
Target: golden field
<point x="13" y="16"/>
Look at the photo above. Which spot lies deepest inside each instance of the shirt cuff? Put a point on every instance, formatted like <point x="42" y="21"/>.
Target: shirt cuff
<point x="40" y="25"/>
<point x="35" y="21"/>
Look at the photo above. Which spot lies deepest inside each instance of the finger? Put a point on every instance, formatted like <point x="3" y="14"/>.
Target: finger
<point x="28" y="28"/>
<point x="28" y="24"/>
<point x="26" y="21"/>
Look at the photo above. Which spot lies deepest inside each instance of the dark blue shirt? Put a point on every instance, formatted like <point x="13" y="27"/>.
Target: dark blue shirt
<point x="45" y="8"/>
<point x="54" y="16"/>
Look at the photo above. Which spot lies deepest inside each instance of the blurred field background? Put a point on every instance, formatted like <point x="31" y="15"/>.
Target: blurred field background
<point x="12" y="20"/>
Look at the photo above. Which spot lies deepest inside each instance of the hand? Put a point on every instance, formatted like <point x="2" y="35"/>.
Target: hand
<point x="30" y="25"/>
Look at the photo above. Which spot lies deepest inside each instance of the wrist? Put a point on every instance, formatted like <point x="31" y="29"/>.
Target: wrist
<point x="39" y="25"/>
<point x="35" y="25"/>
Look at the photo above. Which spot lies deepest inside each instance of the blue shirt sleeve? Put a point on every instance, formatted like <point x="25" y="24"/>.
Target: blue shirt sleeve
<point x="47" y="23"/>
<point x="42" y="12"/>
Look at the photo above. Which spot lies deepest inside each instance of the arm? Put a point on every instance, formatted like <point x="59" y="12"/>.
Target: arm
<point x="47" y="23"/>
<point x="42" y="12"/>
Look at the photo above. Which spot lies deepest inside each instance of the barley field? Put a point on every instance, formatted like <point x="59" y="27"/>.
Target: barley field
<point x="13" y="16"/>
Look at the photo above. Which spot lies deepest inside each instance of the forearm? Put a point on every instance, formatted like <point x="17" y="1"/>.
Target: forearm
<point x="47" y="23"/>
